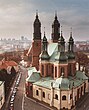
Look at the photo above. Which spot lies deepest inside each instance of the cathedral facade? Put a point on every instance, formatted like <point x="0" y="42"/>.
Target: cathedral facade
<point x="52" y="76"/>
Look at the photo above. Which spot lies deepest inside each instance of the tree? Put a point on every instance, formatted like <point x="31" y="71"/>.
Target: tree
<point x="82" y="59"/>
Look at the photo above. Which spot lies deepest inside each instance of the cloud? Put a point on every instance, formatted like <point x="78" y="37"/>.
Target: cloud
<point x="17" y="17"/>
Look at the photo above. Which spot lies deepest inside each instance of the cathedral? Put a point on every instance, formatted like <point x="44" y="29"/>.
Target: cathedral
<point x="52" y="76"/>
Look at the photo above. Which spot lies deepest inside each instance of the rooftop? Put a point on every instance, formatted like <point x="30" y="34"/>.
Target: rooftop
<point x="59" y="83"/>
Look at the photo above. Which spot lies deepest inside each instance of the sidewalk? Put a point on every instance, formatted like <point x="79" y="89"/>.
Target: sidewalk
<point x="81" y="100"/>
<point x="43" y="104"/>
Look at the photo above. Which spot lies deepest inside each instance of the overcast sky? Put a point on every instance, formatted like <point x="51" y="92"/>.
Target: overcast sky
<point x="17" y="17"/>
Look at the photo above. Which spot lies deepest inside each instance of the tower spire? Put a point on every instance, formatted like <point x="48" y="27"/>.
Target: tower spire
<point x="44" y="31"/>
<point x="71" y="32"/>
<point x="36" y="44"/>
<point x="36" y="14"/>
<point x="55" y="29"/>
<point x="55" y="14"/>
<point x="71" y="47"/>
<point x="37" y="28"/>
<point x="44" y="54"/>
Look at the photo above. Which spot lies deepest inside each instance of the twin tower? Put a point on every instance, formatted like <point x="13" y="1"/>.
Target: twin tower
<point x="55" y="29"/>
<point x="56" y="37"/>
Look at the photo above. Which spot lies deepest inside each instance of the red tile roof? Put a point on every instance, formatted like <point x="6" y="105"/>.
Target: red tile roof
<point x="5" y="64"/>
<point x="11" y="63"/>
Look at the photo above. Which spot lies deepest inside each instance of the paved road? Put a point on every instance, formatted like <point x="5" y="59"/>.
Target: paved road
<point x="30" y="105"/>
<point x="22" y="102"/>
<point x="84" y="104"/>
<point x="20" y="91"/>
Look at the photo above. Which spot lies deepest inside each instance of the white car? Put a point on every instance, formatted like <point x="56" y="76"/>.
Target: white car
<point x="14" y="92"/>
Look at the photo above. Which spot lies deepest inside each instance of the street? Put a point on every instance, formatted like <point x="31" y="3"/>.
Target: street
<point x="84" y="104"/>
<point x="24" y="103"/>
<point x="20" y="91"/>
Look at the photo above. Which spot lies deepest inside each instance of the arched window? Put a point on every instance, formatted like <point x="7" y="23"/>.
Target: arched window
<point x="56" y="96"/>
<point x="63" y="97"/>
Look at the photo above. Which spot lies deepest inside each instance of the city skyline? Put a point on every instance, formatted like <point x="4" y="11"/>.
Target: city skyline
<point x="17" y="17"/>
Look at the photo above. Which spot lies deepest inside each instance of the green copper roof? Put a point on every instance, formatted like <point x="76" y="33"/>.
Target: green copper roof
<point x="53" y="51"/>
<point x="55" y="55"/>
<point x="44" y="56"/>
<point x="63" y="57"/>
<point x="52" y="58"/>
<point x="71" y="55"/>
<point x="31" y="70"/>
<point x="35" y="76"/>
<point x="52" y="47"/>
<point x="81" y="75"/>
<point x="61" y="83"/>
<point x="44" y="82"/>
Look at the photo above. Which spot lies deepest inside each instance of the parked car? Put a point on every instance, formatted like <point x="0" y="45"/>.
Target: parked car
<point x="11" y="102"/>
<point x="12" y="99"/>
<point x="14" y="92"/>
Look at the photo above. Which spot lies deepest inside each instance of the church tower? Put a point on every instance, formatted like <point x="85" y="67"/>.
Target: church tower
<point x="71" y="56"/>
<point x="63" y="59"/>
<point x="61" y="65"/>
<point x="55" y="30"/>
<point x="44" y="58"/>
<point x="36" y="44"/>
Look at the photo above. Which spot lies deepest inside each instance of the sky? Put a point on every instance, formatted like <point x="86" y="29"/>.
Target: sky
<point x="17" y="17"/>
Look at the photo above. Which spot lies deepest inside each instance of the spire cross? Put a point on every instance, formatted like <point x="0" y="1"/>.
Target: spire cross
<point x="55" y="15"/>
<point x="44" y="31"/>
<point x="36" y="12"/>
<point x="55" y="12"/>
<point x="71" y="32"/>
